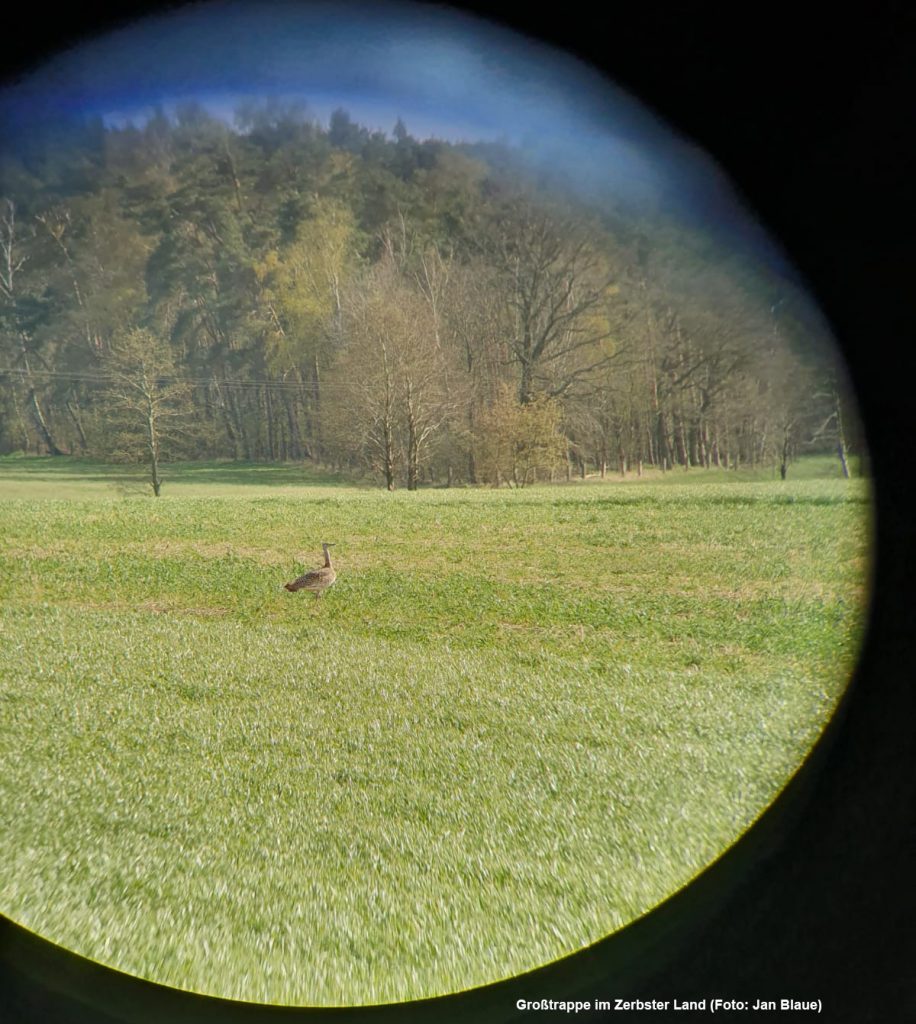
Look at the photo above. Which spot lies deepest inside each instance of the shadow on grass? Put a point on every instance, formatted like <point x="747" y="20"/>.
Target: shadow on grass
<point x="131" y="480"/>
<point x="257" y="474"/>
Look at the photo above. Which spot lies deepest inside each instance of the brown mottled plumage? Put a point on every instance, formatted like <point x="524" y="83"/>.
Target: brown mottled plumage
<point x="318" y="580"/>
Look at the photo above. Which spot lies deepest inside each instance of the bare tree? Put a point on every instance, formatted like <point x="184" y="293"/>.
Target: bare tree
<point x="474" y="315"/>
<point x="147" y="407"/>
<point x="390" y="379"/>
<point x="17" y="313"/>
<point x="555" y="282"/>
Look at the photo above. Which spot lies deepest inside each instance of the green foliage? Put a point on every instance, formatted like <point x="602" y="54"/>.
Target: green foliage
<point x="516" y="441"/>
<point x="250" y="251"/>
<point x="301" y="287"/>
<point x="519" y="720"/>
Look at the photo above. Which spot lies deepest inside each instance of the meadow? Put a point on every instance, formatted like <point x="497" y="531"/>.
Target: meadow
<point x="520" y="719"/>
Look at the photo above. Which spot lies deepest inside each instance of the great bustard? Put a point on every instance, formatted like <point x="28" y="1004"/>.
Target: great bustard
<point x="318" y="580"/>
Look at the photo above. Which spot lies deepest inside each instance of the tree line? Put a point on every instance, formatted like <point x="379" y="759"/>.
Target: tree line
<point x="423" y="311"/>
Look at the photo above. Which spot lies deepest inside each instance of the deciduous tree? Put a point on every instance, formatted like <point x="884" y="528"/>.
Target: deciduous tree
<point x="147" y="408"/>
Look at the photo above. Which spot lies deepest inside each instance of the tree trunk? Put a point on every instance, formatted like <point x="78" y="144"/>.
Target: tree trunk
<point x="20" y="420"/>
<point x="271" y="429"/>
<point x="77" y="422"/>
<point x="661" y="449"/>
<point x="227" y="419"/>
<point x="240" y="425"/>
<point x="681" y="438"/>
<point x="525" y="386"/>
<point x="316" y="404"/>
<point x="841" y="436"/>
<point x="152" y="441"/>
<point x="42" y="424"/>
<point x="413" y="439"/>
<point x="412" y="459"/>
<point x="295" y="437"/>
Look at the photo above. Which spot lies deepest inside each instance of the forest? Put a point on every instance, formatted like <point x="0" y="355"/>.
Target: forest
<point x="417" y="312"/>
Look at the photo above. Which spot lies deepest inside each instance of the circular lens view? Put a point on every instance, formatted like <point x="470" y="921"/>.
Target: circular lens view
<point x="433" y="518"/>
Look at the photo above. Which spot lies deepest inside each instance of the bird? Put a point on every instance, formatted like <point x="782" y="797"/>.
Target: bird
<point x="318" y="580"/>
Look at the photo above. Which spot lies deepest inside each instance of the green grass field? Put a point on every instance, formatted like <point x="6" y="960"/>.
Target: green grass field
<point x="519" y="720"/>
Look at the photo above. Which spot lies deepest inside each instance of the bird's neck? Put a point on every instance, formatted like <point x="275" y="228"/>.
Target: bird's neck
<point x="327" y="559"/>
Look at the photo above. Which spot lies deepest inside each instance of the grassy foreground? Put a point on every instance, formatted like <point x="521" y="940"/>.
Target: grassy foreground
<point x="520" y="719"/>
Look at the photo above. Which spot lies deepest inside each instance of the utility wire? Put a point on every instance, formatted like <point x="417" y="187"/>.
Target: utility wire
<point x="92" y="377"/>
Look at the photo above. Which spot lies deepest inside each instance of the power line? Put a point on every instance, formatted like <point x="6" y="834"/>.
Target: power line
<point x="93" y="377"/>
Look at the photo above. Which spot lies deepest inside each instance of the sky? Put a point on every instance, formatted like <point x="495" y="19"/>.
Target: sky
<point x="446" y="74"/>
<point x="440" y="63"/>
